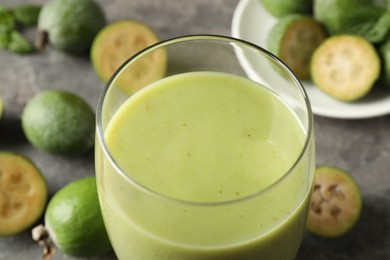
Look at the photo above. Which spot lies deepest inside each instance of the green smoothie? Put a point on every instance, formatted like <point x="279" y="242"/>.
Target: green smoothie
<point x="203" y="154"/>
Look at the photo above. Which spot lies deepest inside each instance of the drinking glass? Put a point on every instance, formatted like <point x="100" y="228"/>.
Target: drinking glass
<point x="198" y="174"/>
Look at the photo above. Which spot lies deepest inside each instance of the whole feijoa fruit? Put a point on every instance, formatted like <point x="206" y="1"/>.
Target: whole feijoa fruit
<point x="336" y="202"/>
<point x="59" y="122"/>
<point x="74" y="221"/>
<point x="23" y="193"/>
<point x="69" y="25"/>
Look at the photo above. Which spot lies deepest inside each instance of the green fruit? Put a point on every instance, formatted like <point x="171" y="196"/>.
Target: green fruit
<point x="281" y="8"/>
<point x="336" y="202"/>
<point x="365" y="18"/>
<point x="345" y="67"/>
<point x="119" y="41"/>
<point x="293" y="39"/>
<point x="23" y="193"/>
<point x="70" y="25"/>
<point x="74" y="220"/>
<point x="59" y="122"/>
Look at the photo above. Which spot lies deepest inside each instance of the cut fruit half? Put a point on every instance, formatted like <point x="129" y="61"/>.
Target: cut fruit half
<point x="23" y="193"/>
<point x="119" y="41"/>
<point x="293" y="39"/>
<point x="345" y="67"/>
<point x="336" y="202"/>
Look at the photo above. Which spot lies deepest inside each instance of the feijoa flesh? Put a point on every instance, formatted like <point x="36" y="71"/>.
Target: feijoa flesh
<point x="23" y="193"/>
<point x="293" y="39"/>
<point x="336" y="202"/>
<point x="345" y="67"/>
<point x="73" y="220"/>
<point x="116" y="43"/>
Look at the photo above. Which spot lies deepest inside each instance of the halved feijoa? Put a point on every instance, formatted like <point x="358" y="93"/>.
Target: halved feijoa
<point x="117" y="42"/>
<point x="345" y="67"/>
<point x="293" y="39"/>
<point x="335" y="204"/>
<point x="23" y="193"/>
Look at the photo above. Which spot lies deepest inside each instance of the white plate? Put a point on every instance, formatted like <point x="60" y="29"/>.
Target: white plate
<point x="251" y="22"/>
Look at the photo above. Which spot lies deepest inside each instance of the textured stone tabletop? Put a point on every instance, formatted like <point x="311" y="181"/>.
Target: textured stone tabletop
<point x="361" y="147"/>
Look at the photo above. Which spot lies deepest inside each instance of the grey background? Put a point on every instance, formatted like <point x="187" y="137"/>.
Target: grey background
<point x="360" y="146"/>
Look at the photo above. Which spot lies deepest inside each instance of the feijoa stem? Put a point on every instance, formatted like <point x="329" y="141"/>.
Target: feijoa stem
<point x="41" y="40"/>
<point x="41" y="235"/>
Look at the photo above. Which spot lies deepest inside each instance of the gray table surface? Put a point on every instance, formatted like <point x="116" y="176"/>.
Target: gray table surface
<point x="359" y="146"/>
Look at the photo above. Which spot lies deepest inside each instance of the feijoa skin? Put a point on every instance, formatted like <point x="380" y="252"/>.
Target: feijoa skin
<point x="336" y="202"/>
<point x="119" y="41"/>
<point x="59" y="122"/>
<point x="23" y="193"/>
<point x="74" y="221"/>
<point x="69" y="25"/>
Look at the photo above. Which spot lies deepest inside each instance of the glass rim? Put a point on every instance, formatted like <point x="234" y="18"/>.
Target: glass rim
<point x="195" y="37"/>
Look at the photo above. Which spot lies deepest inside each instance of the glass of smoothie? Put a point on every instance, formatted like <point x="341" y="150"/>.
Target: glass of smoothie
<point x="202" y="154"/>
